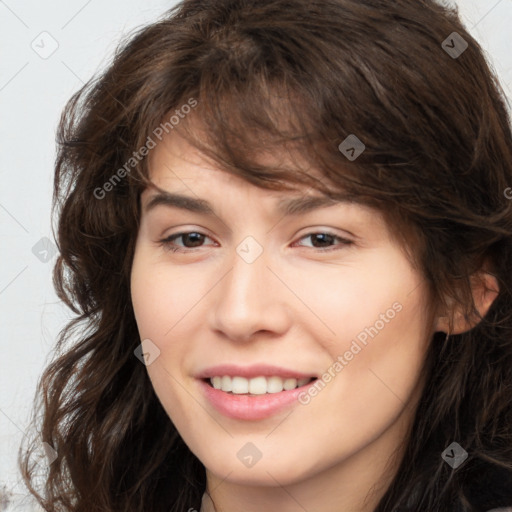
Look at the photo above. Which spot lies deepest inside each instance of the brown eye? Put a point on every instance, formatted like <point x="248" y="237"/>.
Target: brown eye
<point x="324" y="241"/>
<point x="190" y="239"/>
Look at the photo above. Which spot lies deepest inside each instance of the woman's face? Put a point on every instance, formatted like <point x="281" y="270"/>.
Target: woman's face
<point x="258" y="299"/>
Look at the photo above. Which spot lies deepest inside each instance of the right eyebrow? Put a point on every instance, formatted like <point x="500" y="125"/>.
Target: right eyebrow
<point x="183" y="202"/>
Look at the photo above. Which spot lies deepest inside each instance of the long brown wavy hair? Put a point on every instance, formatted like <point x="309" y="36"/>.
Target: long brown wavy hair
<point x="263" y="76"/>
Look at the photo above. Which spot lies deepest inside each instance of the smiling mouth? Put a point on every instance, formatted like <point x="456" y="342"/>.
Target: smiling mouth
<point x="257" y="385"/>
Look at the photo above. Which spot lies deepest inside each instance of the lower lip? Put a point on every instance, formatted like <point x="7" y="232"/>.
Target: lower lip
<point x="251" y="407"/>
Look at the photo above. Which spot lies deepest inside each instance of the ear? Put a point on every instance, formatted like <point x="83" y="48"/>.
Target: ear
<point x="485" y="289"/>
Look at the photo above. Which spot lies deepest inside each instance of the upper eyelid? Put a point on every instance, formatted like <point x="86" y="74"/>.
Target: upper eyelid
<point x="226" y="229"/>
<point x="183" y="233"/>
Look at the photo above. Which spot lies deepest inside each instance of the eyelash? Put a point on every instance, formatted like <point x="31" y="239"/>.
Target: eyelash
<point x="166" y="243"/>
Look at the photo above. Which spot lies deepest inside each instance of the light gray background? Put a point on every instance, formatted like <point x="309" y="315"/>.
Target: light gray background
<point x="33" y="91"/>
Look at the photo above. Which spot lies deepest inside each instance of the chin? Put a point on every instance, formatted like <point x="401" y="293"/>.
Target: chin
<point x="267" y="471"/>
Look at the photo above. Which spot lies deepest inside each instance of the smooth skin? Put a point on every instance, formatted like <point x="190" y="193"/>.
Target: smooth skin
<point x="299" y="305"/>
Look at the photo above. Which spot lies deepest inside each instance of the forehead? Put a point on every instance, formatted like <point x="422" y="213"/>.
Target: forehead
<point x="178" y="166"/>
<point x="174" y="158"/>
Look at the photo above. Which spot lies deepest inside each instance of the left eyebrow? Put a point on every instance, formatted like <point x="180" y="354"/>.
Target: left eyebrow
<point x="287" y="207"/>
<point x="302" y="205"/>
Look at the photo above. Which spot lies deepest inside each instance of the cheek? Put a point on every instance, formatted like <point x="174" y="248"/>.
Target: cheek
<point x="165" y="300"/>
<point x="379" y="365"/>
<point x="157" y="308"/>
<point x="161" y="295"/>
<point x="362" y="300"/>
<point x="379" y="333"/>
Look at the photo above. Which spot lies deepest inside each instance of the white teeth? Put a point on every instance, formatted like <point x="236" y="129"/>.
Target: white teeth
<point x="256" y="385"/>
<point x="239" y="385"/>
<point x="274" y="384"/>
<point x="225" y="383"/>
<point x="290" y="384"/>
<point x="216" y="382"/>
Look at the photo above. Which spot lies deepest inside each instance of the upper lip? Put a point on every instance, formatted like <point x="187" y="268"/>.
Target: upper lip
<point x="256" y="370"/>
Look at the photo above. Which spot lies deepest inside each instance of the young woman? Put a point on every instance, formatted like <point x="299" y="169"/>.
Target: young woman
<point x="285" y="229"/>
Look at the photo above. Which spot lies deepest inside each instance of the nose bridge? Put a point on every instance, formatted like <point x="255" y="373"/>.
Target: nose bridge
<point x="243" y="286"/>
<point x="248" y="299"/>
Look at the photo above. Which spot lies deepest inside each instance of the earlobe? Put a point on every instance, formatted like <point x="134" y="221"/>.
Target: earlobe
<point x="485" y="289"/>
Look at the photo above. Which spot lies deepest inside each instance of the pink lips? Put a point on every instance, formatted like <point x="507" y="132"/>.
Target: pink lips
<point x="250" y="407"/>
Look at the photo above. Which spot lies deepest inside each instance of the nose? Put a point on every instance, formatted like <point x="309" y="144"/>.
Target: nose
<point x="250" y="301"/>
